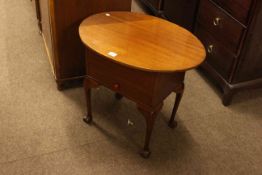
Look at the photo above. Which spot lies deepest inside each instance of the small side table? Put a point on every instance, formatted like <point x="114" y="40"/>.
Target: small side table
<point x="141" y="57"/>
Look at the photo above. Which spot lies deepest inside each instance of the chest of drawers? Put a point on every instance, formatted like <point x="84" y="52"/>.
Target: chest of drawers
<point x="231" y="33"/>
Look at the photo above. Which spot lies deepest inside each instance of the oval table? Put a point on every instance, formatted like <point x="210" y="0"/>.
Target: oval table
<point x="141" y="57"/>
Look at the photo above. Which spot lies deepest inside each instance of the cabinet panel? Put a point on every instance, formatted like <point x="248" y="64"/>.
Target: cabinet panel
<point x="250" y="66"/>
<point x="68" y="16"/>
<point x="102" y="70"/>
<point x="181" y="12"/>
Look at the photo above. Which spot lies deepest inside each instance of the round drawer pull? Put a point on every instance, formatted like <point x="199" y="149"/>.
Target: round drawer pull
<point x="217" y="21"/>
<point x="210" y="48"/>
<point x="116" y="86"/>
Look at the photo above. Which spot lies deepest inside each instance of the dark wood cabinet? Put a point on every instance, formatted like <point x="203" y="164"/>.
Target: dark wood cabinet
<point x="181" y="12"/>
<point x="58" y="22"/>
<point x="231" y="33"/>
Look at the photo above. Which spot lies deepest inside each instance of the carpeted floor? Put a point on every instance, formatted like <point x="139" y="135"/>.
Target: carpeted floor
<point x="41" y="129"/>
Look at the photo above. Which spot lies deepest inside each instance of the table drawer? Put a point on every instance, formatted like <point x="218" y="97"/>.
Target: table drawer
<point x="239" y="9"/>
<point x="134" y="84"/>
<point x="218" y="56"/>
<point x="220" y="25"/>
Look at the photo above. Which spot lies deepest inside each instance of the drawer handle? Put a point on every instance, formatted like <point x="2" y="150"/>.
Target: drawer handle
<point x="116" y="86"/>
<point x="130" y="123"/>
<point x="217" y="21"/>
<point x="210" y="48"/>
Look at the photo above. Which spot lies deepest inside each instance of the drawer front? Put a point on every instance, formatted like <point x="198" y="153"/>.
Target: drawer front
<point x="239" y="9"/>
<point x="220" y="25"/>
<point x="134" y="84"/>
<point x="218" y="56"/>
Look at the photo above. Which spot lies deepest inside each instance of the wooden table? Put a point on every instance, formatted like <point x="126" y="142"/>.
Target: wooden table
<point x="141" y="57"/>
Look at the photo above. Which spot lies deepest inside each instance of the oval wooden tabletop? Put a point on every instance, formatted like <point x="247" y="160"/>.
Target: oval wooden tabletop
<point x="141" y="41"/>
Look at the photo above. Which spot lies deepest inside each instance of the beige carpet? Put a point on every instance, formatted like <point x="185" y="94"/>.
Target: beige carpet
<point x="41" y="129"/>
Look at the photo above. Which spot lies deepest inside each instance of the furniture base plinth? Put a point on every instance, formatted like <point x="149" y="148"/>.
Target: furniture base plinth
<point x="229" y="90"/>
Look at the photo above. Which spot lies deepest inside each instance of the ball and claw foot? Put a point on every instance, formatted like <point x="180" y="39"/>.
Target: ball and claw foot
<point x="145" y="154"/>
<point x="87" y="120"/>
<point x="172" y="124"/>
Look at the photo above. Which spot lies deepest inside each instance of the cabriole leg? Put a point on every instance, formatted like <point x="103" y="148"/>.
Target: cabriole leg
<point x="150" y="116"/>
<point x="88" y="118"/>
<point x="179" y="94"/>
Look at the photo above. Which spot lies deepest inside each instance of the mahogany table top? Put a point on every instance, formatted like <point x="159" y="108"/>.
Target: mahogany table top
<point x="142" y="42"/>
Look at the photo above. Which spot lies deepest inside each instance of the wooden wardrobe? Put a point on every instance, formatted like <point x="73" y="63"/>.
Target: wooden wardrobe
<point x="58" y="22"/>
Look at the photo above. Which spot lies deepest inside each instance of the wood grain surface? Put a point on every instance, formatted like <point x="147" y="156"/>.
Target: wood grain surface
<point x="141" y="41"/>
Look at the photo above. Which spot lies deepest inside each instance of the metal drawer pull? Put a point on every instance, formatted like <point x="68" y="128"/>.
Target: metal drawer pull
<point x="217" y="21"/>
<point x="130" y="123"/>
<point x="210" y="48"/>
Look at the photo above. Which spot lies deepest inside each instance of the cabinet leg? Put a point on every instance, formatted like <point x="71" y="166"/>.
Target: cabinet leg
<point x="227" y="96"/>
<point x="88" y="119"/>
<point x="60" y="85"/>
<point x="150" y="117"/>
<point x="179" y="94"/>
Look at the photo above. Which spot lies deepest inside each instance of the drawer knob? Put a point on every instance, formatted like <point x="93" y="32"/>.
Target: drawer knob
<point x="116" y="86"/>
<point x="217" y="21"/>
<point x="210" y="48"/>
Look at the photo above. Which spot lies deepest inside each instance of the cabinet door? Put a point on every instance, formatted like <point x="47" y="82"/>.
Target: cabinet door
<point x="181" y="12"/>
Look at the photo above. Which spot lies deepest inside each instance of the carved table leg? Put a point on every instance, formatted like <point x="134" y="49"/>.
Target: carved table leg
<point x="150" y="116"/>
<point x="88" y="119"/>
<point x="179" y="93"/>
